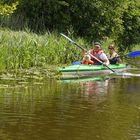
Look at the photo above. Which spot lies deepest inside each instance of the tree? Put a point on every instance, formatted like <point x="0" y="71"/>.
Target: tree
<point x="131" y="26"/>
<point x="6" y="9"/>
<point x="91" y="19"/>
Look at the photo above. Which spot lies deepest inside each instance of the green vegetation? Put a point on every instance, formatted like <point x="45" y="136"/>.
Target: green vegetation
<point x="35" y="40"/>
<point x="6" y="9"/>
<point x="90" y="19"/>
<point x="24" y="49"/>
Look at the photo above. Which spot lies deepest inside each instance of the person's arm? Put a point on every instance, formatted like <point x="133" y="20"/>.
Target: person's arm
<point x="104" y="58"/>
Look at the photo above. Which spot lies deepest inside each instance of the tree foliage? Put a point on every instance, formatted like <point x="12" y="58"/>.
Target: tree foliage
<point x="131" y="25"/>
<point x="7" y="9"/>
<point x="92" y="19"/>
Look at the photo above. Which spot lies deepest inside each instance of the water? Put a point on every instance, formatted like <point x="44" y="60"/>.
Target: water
<point x="107" y="109"/>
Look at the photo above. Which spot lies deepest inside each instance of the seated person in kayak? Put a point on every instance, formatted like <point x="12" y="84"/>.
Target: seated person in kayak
<point x="113" y="56"/>
<point x="87" y="59"/>
<point x="98" y="53"/>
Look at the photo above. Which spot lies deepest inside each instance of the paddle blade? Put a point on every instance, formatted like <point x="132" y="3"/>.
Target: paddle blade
<point x="134" y="54"/>
<point x="67" y="38"/>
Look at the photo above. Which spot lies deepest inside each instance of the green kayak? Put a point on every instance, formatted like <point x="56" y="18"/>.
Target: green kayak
<point x="77" y="71"/>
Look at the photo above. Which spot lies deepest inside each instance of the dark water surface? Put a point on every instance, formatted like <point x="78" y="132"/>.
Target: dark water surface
<point x="59" y="110"/>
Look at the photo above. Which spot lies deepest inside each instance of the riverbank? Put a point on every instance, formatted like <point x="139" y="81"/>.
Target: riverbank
<point x="26" y="50"/>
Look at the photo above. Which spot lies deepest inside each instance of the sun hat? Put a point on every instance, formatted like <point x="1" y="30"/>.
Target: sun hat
<point x="97" y="43"/>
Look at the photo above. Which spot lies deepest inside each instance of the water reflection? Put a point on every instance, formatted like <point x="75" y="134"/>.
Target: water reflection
<point x="85" y="110"/>
<point x="97" y="87"/>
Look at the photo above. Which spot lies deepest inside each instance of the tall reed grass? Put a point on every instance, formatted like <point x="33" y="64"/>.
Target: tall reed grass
<point x="24" y="49"/>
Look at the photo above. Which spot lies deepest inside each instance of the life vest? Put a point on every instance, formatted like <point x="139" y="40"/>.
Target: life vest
<point x="87" y="62"/>
<point x="96" y="54"/>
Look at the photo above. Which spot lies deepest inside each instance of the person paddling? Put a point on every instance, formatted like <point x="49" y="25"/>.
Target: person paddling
<point x="113" y="57"/>
<point x="99" y="54"/>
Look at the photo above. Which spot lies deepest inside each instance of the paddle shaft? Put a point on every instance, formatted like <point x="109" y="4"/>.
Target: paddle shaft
<point x="86" y="51"/>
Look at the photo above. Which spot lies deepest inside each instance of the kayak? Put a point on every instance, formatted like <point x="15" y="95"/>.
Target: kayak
<point x="80" y="70"/>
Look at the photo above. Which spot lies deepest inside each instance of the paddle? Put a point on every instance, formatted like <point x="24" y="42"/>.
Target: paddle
<point x="86" y="51"/>
<point x="134" y="54"/>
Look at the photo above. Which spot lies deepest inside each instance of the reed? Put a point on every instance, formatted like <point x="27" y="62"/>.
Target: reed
<point x="24" y="49"/>
<point x="136" y="47"/>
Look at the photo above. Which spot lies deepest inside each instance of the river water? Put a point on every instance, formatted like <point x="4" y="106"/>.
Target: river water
<point x="107" y="109"/>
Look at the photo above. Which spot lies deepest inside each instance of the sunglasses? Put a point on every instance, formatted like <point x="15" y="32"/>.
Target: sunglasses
<point x="110" y="48"/>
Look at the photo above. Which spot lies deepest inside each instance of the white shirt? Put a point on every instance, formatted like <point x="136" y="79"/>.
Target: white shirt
<point x="104" y="58"/>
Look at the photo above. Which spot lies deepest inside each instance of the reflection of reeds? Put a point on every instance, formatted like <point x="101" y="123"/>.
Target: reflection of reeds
<point x="135" y="61"/>
<point x="25" y="49"/>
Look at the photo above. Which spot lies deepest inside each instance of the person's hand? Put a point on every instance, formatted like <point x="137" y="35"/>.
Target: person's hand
<point x="104" y="64"/>
<point x="85" y="51"/>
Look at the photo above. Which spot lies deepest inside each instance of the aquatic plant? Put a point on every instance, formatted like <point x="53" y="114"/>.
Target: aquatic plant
<point x="24" y="49"/>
